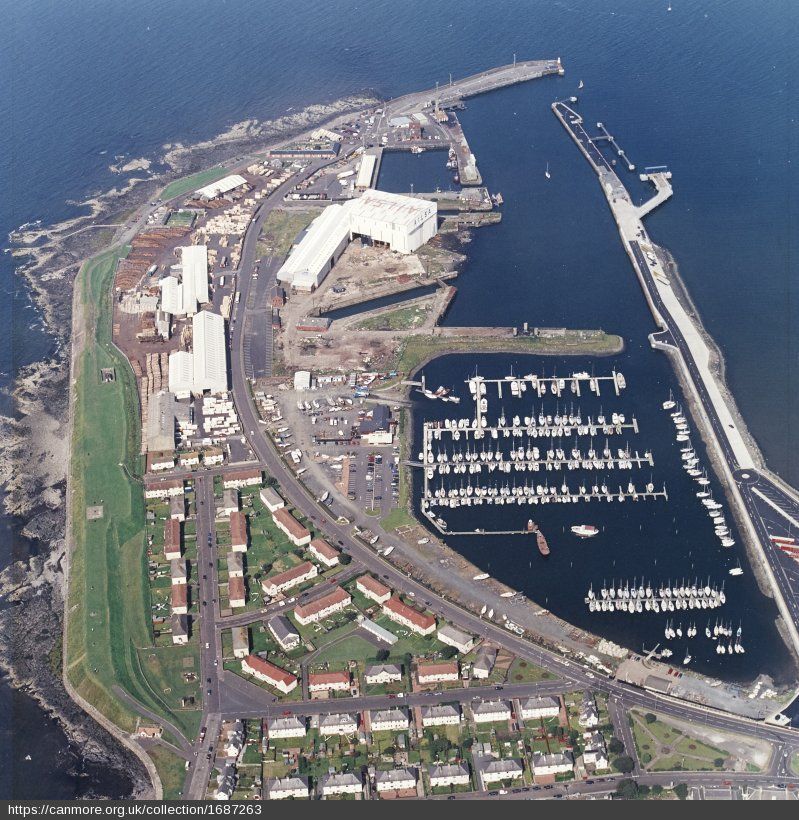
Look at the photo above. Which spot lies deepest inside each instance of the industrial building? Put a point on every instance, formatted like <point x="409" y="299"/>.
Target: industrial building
<point x="182" y="298"/>
<point x="402" y="223"/>
<point x="366" y="170"/>
<point x="209" y="353"/>
<point x="223" y="186"/>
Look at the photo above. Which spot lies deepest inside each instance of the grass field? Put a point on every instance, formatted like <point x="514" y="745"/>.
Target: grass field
<point x="405" y="318"/>
<point x="191" y="183"/>
<point x="663" y="747"/>
<point x="280" y="229"/>
<point x="109" y="599"/>
<point x="415" y="350"/>
<point x="171" y="770"/>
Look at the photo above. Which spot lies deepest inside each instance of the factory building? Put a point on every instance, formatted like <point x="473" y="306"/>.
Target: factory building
<point x="183" y="298"/>
<point x="402" y="223"/>
<point x="181" y="373"/>
<point x="209" y="353"/>
<point x="222" y="186"/>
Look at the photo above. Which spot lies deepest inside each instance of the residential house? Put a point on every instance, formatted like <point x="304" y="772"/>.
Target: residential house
<point x="230" y="502"/>
<point x="495" y="771"/>
<point x="342" y="723"/>
<point x="177" y="571"/>
<point x="269" y="673"/>
<point x="235" y="565"/>
<point x="189" y="460"/>
<point x="378" y="673"/>
<point x="288" y="524"/>
<point x="171" y="539"/>
<point x="446" y="714"/>
<point x="177" y="507"/>
<point x="283" y="788"/>
<point x="595" y="753"/>
<point x="373" y="589"/>
<point x="320" y="608"/>
<point x="388" y="720"/>
<point x="160" y="460"/>
<point x="179" y="599"/>
<point x="537" y="708"/>
<point x="401" y="613"/>
<point x="484" y="662"/>
<point x="163" y="488"/>
<point x="242" y="478"/>
<point x="323" y="552"/>
<point x="237" y="592"/>
<point x="271" y="499"/>
<point x="241" y="641"/>
<point x="180" y="629"/>
<point x="275" y="584"/>
<point x="238" y="532"/>
<point x="213" y="456"/>
<point x="589" y="716"/>
<point x="552" y="764"/>
<point x="286" y="726"/>
<point x="427" y="673"/>
<point x="452" y="636"/>
<point x="284" y="633"/>
<point x="491" y="711"/>
<point x="449" y="774"/>
<point x="345" y="783"/>
<point x="395" y="780"/>
<point x="328" y="682"/>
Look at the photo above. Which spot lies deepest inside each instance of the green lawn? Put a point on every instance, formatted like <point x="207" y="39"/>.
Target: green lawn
<point x="522" y="671"/>
<point x="405" y="318"/>
<point x="280" y="229"/>
<point x="193" y="182"/>
<point x="171" y="770"/>
<point x="109" y="594"/>
<point x="663" y="747"/>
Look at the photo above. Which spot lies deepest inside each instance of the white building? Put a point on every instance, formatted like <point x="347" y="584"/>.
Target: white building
<point x="181" y="373"/>
<point x="338" y="724"/>
<point x="589" y="716"/>
<point x="382" y="673"/>
<point x="209" y="353"/>
<point x="283" y="788"/>
<point x="491" y="711"/>
<point x="499" y="770"/>
<point x="403" y="223"/>
<point x="194" y="276"/>
<point x="346" y="783"/>
<point x="286" y="727"/>
<point x="366" y="171"/>
<point x="388" y="720"/>
<point x="302" y="381"/>
<point x="395" y="780"/>
<point x="559" y="763"/>
<point x="536" y="708"/>
<point x="484" y="662"/>
<point x="271" y="499"/>
<point x="444" y="715"/>
<point x="449" y="774"/>
<point x="223" y="186"/>
<point x="452" y="636"/>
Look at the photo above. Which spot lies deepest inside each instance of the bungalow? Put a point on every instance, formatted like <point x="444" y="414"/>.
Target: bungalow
<point x="180" y="629"/>
<point x="388" y="720"/>
<point x="452" y="636"/>
<point x="238" y="531"/>
<point x="536" y="708"/>
<point x="213" y="456"/>
<point x="491" y="711"/>
<point x="338" y="724"/>
<point x="179" y="599"/>
<point x="288" y="524"/>
<point x="372" y="588"/>
<point x="171" y="539"/>
<point x="177" y="507"/>
<point x="177" y="571"/>
<point x="377" y="673"/>
<point x="328" y="682"/>
<point x="316" y="610"/>
<point x="235" y="565"/>
<point x="242" y="478"/>
<point x="163" y="488"/>
<point x="159" y="461"/>
<point x="271" y="499"/>
<point x="284" y="633"/>
<point x="189" y="460"/>
<point x="552" y="764"/>
<point x="323" y="552"/>
<point x="346" y="783"/>
<point x="230" y="503"/>
<point x="427" y="673"/>
<point x="283" y="788"/>
<point x="403" y="614"/>
<point x="286" y="726"/>
<point x="395" y="780"/>
<point x="589" y="716"/>
<point x="275" y="584"/>
<point x="237" y="592"/>
<point x="444" y="715"/>
<point x="498" y="770"/>
<point x="449" y="774"/>
<point x="269" y="673"/>
<point x="241" y="641"/>
<point x="484" y="662"/>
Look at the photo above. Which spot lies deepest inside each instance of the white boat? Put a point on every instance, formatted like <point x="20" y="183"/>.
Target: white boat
<point x="546" y="173"/>
<point x="584" y="530"/>
<point x="737" y="570"/>
<point x="481" y="577"/>
<point x="388" y="551"/>
<point x="669" y="403"/>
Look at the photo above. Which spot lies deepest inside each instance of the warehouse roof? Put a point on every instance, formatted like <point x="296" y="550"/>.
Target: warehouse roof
<point x="394" y="209"/>
<point x="222" y="186"/>
<point x="210" y="357"/>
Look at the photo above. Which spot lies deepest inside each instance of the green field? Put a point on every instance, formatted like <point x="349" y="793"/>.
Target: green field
<point x="405" y="318"/>
<point x="109" y="596"/>
<point x="171" y="770"/>
<point x="280" y="229"/>
<point x="191" y="183"/>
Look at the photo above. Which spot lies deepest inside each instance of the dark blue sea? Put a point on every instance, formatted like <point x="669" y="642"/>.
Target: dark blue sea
<point x="709" y="88"/>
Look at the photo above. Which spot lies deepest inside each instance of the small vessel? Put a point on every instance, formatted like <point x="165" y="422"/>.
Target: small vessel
<point x="585" y="530"/>
<point x="686" y="659"/>
<point x="387" y="551"/>
<point x="530" y="525"/>
<point x="580" y="85"/>
<point x="546" y="173"/>
<point x="737" y="570"/>
<point x="543" y="547"/>
<point x="481" y="577"/>
<point x="669" y="403"/>
<point x="483" y="610"/>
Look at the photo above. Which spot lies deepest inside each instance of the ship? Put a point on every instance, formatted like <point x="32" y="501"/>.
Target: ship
<point x="669" y="403"/>
<point x="585" y="530"/>
<point x="481" y="577"/>
<point x="543" y="547"/>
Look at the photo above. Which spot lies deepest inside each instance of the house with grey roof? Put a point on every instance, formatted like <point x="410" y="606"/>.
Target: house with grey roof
<point x="284" y="632"/>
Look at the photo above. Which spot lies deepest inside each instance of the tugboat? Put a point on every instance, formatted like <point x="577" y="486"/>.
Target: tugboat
<point x="543" y="547"/>
<point x="585" y="530"/>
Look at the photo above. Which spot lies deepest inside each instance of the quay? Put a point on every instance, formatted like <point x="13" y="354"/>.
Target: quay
<point x="692" y="357"/>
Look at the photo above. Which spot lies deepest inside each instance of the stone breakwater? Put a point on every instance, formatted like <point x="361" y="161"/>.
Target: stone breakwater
<point x="34" y="447"/>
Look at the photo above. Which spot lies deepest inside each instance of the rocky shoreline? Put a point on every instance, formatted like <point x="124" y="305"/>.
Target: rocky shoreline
<point x="35" y="449"/>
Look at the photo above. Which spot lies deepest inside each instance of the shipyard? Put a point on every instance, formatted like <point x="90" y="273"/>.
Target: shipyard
<point x="364" y="517"/>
